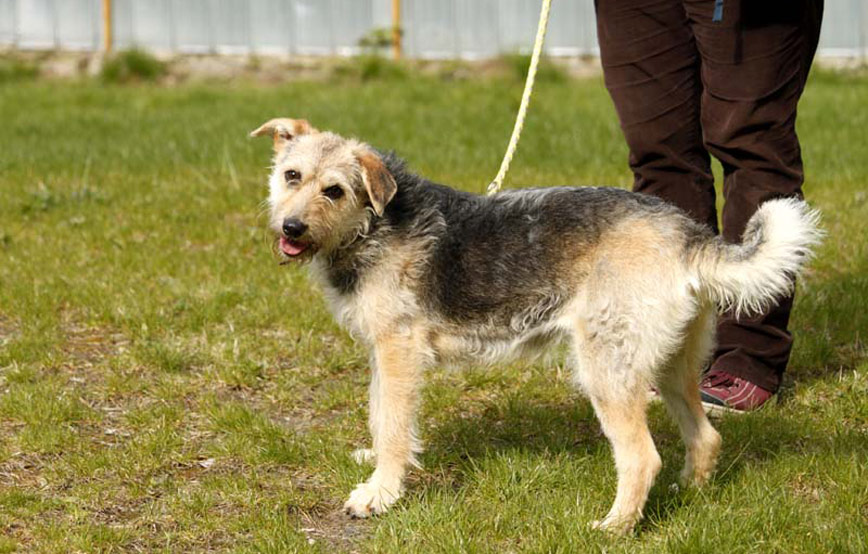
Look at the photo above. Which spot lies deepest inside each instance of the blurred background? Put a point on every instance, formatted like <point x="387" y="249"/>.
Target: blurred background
<point x="430" y="29"/>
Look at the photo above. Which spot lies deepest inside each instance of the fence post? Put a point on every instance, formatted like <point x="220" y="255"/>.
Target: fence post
<point x="498" y="21"/>
<point x="333" y="48"/>
<point x="863" y="36"/>
<point x="456" y="31"/>
<point x="396" y="29"/>
<point x="248" y="29"/>
<point x="55" y="37"/>
<point x="107" y="25"/>
<point x="292" y="24"/>
<point x="15" y="24"/>
<point x="212" y="48"/>
<point x="170" y="16"/>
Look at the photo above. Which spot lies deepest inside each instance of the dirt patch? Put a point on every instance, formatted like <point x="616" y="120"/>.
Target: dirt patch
<point x="22" y="471"/>
<point x="87" y="345"/>
<point x="8" y="330"/>
<point x="807" y="488"/>
<point x="334" y="528"/>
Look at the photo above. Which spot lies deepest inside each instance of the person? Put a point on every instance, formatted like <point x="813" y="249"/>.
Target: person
<point x="694" y="78"/>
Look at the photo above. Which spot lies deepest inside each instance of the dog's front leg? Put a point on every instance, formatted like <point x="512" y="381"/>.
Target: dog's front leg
<point x="393" y="395"/>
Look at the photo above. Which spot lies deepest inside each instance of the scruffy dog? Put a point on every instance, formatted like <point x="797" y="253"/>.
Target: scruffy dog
<point x="426" y="274"/>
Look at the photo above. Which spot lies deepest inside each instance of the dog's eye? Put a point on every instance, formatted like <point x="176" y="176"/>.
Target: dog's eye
<point x="334" y="192"/>
<point x="292" y="175"/>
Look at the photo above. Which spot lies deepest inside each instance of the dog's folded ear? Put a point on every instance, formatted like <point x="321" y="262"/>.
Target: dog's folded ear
<point x="378" y="181"/>
<point x="284" y="130"/>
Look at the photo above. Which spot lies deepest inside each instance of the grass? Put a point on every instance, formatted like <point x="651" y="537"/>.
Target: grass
<point x="165" y="386"/>
<point x="14" y="69"/>
<point x="132" y="66"/>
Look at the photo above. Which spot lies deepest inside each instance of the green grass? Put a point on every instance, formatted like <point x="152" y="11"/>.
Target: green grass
<point x="14" y="69"/>
<point x="132" y="66"/>
<point x="166" y="386"/>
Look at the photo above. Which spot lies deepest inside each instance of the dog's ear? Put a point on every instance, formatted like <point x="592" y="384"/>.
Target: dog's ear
<point x="378" y="181"/>
<point x="284" y="130"/>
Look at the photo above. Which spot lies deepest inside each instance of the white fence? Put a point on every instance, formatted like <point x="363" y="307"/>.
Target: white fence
<point x="432" y="28"/>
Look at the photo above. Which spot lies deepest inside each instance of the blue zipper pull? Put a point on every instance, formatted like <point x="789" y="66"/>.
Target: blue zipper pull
<point x="718" y="11"/>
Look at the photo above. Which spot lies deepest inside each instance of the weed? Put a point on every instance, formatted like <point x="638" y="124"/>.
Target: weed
<point x="547" y="71"/>
<point x="132" y="66"/>
<point x="13" y="70"/>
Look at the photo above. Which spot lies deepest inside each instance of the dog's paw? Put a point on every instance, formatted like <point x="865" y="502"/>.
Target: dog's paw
<point x="615" y="525"/>
<point x="700" y="461"/>
<point x="370" y="499"/>
<point x="691" y="476"/>
<point x="364" y="456"/>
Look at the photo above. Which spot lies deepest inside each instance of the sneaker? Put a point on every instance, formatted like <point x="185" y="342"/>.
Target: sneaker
<point x="725" y="393"/>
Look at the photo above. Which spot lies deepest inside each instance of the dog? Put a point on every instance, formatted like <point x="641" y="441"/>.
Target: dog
<point x="425" y="274"/>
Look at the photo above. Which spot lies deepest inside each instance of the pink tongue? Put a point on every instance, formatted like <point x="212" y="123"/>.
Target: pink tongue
<point x="291" y="248"/>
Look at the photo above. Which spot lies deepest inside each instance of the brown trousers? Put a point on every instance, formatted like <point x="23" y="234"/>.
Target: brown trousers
<point x="694" y="78"/>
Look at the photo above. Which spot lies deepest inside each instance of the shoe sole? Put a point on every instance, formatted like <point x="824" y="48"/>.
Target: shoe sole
<point x="716" y="410"/>
<point x="711" y="410"/>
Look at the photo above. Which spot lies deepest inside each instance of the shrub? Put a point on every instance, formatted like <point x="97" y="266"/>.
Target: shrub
<point x="369" y="67"/>
<point x="373" y="63"/>
<point x="12" y="69"/>
<point x="377" y="67"/>
<point x="131" y="66"/>
<point x="518" y="64"/>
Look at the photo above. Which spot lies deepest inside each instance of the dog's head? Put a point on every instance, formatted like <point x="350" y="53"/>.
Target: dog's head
<point x="324" y="189"/>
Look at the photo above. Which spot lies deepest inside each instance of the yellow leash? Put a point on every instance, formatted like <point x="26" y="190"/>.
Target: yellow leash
<point x="525" y="98"/>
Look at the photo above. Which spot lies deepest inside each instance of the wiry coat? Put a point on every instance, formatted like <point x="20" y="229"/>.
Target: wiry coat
<point x="429" y="274"/>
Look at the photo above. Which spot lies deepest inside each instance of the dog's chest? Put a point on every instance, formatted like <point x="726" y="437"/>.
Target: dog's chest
<point x="379" y="300"/>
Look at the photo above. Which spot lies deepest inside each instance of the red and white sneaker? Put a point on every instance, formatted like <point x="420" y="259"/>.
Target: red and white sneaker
<point x="725" y="393"/>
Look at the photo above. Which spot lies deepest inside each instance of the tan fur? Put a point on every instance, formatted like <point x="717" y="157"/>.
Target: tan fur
<point x="677" y="385"/>
<point x="400" y="352"/>
<point x="398" y="362"/>
<point x="385" y="301"/>
<point x="328" y="160"/>
<point x="283" y="130"/>
<point x="380" y="185"/>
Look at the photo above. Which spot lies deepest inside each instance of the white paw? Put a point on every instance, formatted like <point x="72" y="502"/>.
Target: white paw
<point x="694" y="477"/>
<point x="363" y="456"/>
<point x="370" y="499"/>
<point x="615" y="525"/>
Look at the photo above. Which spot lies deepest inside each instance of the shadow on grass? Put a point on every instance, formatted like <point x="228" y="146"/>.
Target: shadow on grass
<point x="829" y="326"/>
<point x="512" y="424"/>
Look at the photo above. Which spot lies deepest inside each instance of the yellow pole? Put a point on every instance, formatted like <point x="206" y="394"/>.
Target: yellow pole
<point x="107" y="25"/>
<point x="396" y="29"/>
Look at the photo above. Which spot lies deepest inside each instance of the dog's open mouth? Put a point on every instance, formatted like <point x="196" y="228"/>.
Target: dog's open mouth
<point x="293" y="248"/>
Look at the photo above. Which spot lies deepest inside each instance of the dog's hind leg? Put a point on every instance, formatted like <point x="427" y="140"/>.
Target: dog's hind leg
<point x="679" y="386"/>
<point x="398" y="362"/>
<point x="622" y="417"/>
<point x="619" y="397"/>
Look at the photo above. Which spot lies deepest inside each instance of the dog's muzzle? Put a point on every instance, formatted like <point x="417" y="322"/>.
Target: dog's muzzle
<point x="290" y="241"/>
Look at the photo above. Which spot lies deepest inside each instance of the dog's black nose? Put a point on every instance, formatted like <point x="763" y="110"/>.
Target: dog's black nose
<point x="293" y="227"/>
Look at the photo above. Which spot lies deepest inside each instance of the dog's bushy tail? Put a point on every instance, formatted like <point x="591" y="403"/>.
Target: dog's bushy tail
<point x="748" y="277"/>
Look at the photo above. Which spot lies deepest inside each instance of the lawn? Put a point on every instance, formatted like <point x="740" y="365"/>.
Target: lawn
<point x="165" y="385"/>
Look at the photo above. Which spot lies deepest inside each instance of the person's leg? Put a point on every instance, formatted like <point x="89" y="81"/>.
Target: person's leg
<point x="651" y="68"/>
<point x="755" y="62"/>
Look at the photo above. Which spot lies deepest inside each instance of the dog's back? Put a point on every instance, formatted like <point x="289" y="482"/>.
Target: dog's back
<point x="520" y="251"/>
<point x="511" y="261"/>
